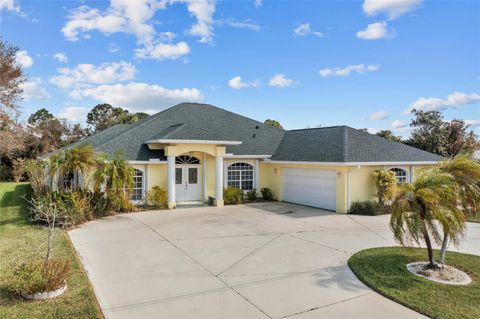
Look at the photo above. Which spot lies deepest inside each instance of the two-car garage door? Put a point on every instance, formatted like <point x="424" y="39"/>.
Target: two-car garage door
<point x="311" y="187"/>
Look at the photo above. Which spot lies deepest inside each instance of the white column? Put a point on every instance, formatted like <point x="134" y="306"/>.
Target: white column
<point x="219" y="181"/>
<point x="171" y="181"/>
<point x="255" y="177"/>
<point x="204" y="176"/>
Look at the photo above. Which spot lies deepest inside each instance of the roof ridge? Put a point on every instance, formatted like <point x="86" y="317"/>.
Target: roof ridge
<point x="315" y="128"/>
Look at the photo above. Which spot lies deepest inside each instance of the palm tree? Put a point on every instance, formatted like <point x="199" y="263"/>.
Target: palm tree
<point x="421" y="207"/>
<point x="116" y="174"/>
<point x="79" y="160"/>
<point x="466" y="173"/>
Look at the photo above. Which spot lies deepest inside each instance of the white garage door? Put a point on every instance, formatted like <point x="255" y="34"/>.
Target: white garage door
<point x="311" y="187"/>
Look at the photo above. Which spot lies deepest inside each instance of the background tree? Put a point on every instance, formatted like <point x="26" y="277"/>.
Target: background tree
<point x="273" y="123"/>
<point x="48" y="130"/>
<point x="11" y="76"/>
<point x="431" y="133"/>
<point x="103" y="116"/>
<point x="12" y="134"/>
<point x="387" y="134"/>
<point x="460" y="139"/>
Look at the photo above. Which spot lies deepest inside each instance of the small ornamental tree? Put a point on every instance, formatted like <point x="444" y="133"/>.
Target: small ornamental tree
<point x="385" y="182"/>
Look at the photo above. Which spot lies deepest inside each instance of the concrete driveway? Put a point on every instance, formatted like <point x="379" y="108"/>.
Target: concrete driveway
<point x="265" y="260"/>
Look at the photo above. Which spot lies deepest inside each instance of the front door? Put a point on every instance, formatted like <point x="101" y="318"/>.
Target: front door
<point x="187" y="180"/>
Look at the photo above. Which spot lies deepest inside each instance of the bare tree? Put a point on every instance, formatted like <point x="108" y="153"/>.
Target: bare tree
<point x="11" y="76"/>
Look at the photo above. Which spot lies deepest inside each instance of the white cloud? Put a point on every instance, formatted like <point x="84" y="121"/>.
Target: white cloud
<point x="454" y="100"/>
<point x="257" y="3"/>
<point x="113" y="48"/>
<point x="9" y="5"/>
<point x="378" y="116"/>
<point x="373" y="130"/>
<point x="375" y="31"/>
<point x="305" y="29"/>
<point x="143" y="97"/>
<point x="203" y="12"/>
<point x="391" y="8"/>
<point x="237" y="83"/>
<point x="280" y="80"/>
<point x="76" y="114"/>
<point x="60" y="57"/>
<point x="473" y="123"/>
<point x="357" y="68"/>
<point x="162" y="51"/>
<point x="239" y="24"/>
<point x="86" y="74"/>
<point x="23" y="59"/>
<point x="397" y="124"/>
<point x="136" y="18"/>
<point x="33" y="90"/>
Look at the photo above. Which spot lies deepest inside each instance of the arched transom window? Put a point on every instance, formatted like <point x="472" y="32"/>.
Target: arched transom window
<point x="240" y="175"/>
<point x="137" y="191"/>
<point x="400" y="174"/>
<point x="185" y="159"/>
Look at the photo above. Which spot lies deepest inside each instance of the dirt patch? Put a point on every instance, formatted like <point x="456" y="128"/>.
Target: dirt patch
<point x="447" y="275"/>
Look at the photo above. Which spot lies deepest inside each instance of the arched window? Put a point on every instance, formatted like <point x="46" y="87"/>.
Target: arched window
<point x="137" y="191"/>
<point x="240" y="175"/>
<point x="400" y="174"/>
<point x="185" y="159"/>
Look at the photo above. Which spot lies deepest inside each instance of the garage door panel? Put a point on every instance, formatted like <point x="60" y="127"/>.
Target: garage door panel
<point x="312" y="187"/>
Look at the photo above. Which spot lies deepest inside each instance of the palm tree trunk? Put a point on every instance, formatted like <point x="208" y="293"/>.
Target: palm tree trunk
<point x="443" y="250"/>
<point x="426" y="237"/>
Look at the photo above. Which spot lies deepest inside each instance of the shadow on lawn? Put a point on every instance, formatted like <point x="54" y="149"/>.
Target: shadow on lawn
<point x="13" y="206"/>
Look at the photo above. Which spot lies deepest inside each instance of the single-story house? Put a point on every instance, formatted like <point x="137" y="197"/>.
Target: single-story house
<point x="195" y="150"/>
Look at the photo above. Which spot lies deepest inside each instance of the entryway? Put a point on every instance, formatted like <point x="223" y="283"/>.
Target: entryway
<point x="188" y="175"/>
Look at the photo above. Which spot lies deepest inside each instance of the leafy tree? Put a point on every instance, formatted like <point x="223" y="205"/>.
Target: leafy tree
<point x="387" y="134"/>
<point x="460" y="139"/>
<point x="81" y="160"/>
<point x="419" y="208"/>
<point x="385" y="182"/>
<point x="103" y="116"/>
<point x="273" y="123"/>
<point x="431" y="133"/>
<point x="40" y="118"/>
<point x="11" y="76"/>
<point x="73" y="133"/>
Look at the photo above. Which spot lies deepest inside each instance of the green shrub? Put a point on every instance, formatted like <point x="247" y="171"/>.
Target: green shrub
<point x="266" y="193"/>
<point x="367" y="207"/>
<point x="252" y="195"/>
<point x="39" y="276"/>
<point x="158" y="197"/>
<point x="386" y="184"/>
<point x="232" y="196"/>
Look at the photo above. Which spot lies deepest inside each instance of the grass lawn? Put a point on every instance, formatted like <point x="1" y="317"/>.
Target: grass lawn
<point x="384" y="270"/>
<point x="20" y="240"/>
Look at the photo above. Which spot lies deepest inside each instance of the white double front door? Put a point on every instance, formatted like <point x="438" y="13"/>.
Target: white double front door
<point x="188" y="186"/>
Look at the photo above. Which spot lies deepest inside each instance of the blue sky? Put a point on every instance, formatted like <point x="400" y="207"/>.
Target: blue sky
<point x="304" y="63"/>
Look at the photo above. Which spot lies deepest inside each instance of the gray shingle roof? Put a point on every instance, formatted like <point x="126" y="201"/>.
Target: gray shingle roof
<point x="193" y="121"/>
<point x="345" y="144"/>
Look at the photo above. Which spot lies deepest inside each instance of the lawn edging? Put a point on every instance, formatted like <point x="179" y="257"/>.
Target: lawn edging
<point x="384" y="271"/>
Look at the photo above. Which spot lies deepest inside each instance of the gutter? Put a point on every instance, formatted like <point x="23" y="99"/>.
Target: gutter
<point x="267" y="161"/>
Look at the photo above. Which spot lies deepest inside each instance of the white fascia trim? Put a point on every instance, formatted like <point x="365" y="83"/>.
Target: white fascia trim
<point x="167" y="141"/>
<point x="352" y="163"/>
<point x="147" y="162"/>
<point x="246" y="156"/>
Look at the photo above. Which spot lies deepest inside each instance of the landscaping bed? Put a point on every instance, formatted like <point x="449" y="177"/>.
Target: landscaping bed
<point x="384" y="270"/>
<point x="21" y="240"/>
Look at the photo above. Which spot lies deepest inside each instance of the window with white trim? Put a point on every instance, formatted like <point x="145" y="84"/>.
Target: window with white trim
<point x="137" y="190"/>
<point x="400" y="174"/>
<point x="240" y="175"/>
